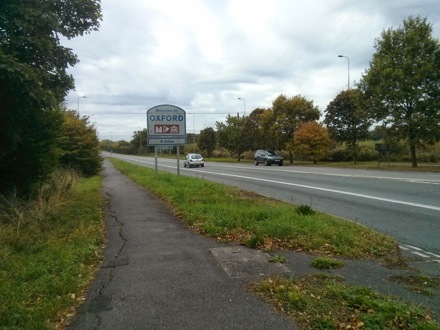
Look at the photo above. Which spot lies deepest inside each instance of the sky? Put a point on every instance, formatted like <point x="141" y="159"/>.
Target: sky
<point x="212" y="58"/>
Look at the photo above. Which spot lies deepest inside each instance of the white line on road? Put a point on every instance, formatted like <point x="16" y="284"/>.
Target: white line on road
<point x="389" y="200"/>
<point x="420" y="254"/>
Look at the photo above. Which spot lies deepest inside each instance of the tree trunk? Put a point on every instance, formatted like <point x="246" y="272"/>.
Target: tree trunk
<point x="413" y="156"/>
<point x="354" y="152"/>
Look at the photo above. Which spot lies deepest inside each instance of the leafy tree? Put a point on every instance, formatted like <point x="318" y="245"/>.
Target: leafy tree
<point x="402" y="85"/>
<point x="255" y="129"/>
<point x="79" y="145"/>
<point x="34" y="80"/>
<point x="207" y="140"/>
<point x="288" y="115"/>
<point x="139" y="140"/>
<point x="231" y="136"/>
<point x="312" y="141"/>
<point x="347" y="120"/>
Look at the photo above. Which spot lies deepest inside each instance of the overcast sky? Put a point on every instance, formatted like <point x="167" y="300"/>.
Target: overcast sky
<point x="203" y="55"/>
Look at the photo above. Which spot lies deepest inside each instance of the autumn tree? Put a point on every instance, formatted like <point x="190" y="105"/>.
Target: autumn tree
<point x="78" y="144"/>
<point x="231" y="136"/>
<point x="346" y="119"/>
<point x="402" y="84"/>
<point x="34" y="81"/>
<point x="312" y="141"/>
<point x="288" y="115"/>
<point x="207" y="140"/>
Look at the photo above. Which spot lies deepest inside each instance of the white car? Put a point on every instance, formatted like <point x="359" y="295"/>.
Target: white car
<point x="194" y="160"/>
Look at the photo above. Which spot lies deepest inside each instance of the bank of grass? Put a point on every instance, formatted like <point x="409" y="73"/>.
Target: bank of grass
<point x="231" y="214"/>
<point x="47" y="257"/>
<point x="323" y="301"/>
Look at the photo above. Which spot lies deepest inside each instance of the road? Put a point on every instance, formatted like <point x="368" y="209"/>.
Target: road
<point x="404" y="205"/>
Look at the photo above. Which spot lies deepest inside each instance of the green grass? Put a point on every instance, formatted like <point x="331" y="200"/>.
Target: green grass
<point x="326" y="263"/>
<point x="231" y="214"/>
<point x="46" y="265"/>
<point x="277" y="259"/>
<point x="422" y="284"/>
<point x="325" y="302"/>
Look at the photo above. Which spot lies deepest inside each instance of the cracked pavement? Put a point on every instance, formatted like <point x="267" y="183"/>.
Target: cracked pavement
<point x="158" y="274"/>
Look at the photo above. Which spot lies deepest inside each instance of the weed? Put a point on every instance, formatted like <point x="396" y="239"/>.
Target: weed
<point x="326" y="263"/>
<point x="255" y="241"/>
<point x="304" y="209"/>
<point x="277" y="258"/>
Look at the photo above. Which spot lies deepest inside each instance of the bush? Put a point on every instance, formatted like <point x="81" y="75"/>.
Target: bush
<point x="221" y="153"/>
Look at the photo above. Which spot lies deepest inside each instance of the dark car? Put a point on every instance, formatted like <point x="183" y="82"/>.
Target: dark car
<point x="267" y="157"/>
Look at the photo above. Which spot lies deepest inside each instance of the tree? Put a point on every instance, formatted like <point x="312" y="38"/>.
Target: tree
<point x="34" y="81"/>
<point x="402" y="85"/>
<point x="347" y="120"/>
<point x="78" y="144"/>
<point x="254" y="129"/>
<point x="140" y="138"/>
<point x="207" y="140"/>
<point x="230" y="135"/>
<point x="312" y="141"/>
<point x="288" y="115"/>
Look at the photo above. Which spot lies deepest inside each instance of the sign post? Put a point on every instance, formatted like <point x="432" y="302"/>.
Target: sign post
<point x="166" y="127"/>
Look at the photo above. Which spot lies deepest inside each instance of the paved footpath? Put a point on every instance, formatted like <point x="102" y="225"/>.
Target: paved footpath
<point x="158" y="274"/>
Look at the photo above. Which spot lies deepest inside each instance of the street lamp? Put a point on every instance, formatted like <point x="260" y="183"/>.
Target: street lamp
<point x="77" y="102"/>
<point x="348" y="61"/>
<point x="244" y="104"/>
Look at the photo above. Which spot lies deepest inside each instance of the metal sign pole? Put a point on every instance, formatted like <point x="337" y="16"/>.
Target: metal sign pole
<point x="155" y="160"/>
<point x="178" y="158"/>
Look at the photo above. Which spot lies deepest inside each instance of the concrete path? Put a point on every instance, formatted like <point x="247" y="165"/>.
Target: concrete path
<point x="158" y="274"/>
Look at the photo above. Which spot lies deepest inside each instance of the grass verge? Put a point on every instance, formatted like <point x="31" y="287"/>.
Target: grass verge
<point x="231" y="214"/>
<point x="422" y="284"/>
<point x="48" y="262"/>
<point x="325" y="302"/>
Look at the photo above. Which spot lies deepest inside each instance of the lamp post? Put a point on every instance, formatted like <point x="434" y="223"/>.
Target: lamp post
<point x="244" y="104"/>
<point x="348" y="61"/>
<point x="77" y="102"/>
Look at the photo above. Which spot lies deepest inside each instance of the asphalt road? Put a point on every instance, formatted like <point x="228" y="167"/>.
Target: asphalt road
<point x="404" y="205"/>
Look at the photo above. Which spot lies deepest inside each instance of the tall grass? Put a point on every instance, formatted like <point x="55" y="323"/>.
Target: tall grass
<point x="49" y="248"/>
<point x="48" y="198"/>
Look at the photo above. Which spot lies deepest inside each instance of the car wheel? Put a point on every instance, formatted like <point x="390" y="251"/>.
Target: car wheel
<point x="266" y="163"/>
<point x="184" y="164"/>
<point x="256" y="162"/>
<point x="203" y="165"/>
<point x="280" y="164"/>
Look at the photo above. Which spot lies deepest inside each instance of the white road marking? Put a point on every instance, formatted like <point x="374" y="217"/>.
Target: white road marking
<point x="414" y="247"/>
<point x="389" y="200"/>
<point x="433" y="254"/>
<point x="420" y="254"/>
<point x="432" y="257"/>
